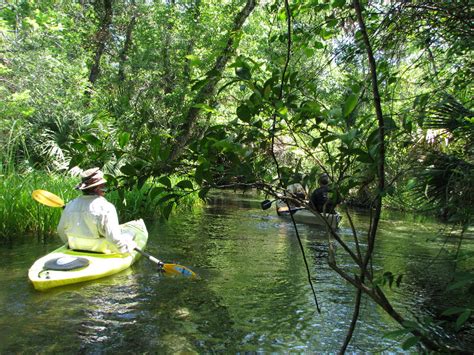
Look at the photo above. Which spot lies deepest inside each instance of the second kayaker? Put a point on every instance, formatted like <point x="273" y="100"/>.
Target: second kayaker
<point x="90" y="222"/>
<point x="320" y="197"/>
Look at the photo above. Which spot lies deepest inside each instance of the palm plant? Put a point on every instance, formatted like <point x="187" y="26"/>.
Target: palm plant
<point x="446" y="179"/>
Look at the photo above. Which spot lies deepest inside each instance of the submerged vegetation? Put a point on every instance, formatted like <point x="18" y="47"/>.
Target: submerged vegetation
<point x="174" y="98"/>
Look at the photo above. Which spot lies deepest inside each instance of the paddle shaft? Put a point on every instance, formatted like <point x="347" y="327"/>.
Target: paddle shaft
<point x="150" y="257"/>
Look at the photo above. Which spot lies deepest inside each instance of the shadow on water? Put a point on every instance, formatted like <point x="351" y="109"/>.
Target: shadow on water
<point x="252" y="295"/>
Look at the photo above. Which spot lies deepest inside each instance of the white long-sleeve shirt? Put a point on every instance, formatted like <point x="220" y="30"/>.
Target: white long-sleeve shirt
<point x="91" y="223"/>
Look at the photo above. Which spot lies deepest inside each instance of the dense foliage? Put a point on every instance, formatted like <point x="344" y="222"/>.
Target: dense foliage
<point x="242" y="94"/>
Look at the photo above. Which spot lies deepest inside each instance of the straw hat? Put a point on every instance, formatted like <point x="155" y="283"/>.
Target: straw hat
<point x="91" y="178"/>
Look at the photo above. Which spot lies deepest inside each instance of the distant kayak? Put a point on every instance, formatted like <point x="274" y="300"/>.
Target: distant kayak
<point x="303" y="215"/>
<point x="64" y="266"/>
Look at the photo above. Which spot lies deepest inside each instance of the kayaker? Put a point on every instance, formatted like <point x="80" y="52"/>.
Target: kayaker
<point x="90" y="222"/>
<point x="298" y="194"/>
<point x="320" y="199"/>
<point x="297" y="190"/>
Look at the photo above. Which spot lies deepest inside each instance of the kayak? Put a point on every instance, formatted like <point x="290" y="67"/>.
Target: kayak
<point x="304" y="215"/>
<point x="65" y="266"/>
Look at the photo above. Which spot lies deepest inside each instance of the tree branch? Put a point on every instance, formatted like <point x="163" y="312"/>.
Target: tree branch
<point x="213" y="77"/>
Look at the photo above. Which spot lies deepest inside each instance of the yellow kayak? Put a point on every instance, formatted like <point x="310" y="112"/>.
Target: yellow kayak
<point x="64" y="266"/>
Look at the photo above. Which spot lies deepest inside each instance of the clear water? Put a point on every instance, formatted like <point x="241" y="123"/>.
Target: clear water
<point x="252" y="295"/>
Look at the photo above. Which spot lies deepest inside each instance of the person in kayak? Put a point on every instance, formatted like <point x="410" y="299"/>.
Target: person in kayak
<point x="297" y="190"/>
<point x="320" y="199"/>
<point x="90" y="222"/>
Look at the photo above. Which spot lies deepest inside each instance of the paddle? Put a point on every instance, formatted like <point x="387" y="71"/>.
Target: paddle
<point x="266" y="204"/>
<point x="49" y="199"/>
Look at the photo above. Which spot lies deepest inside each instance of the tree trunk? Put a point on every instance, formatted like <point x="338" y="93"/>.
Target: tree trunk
<point x="101" y="38"/>
<point x="126" y="46"/>
<point x="190" y="49"/>
<point x="168" y="80"/>
<point x="213" y="77"/>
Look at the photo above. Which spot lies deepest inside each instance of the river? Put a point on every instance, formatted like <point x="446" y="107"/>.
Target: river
<point x="252" y="295"/>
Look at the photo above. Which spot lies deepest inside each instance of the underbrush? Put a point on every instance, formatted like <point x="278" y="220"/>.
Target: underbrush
<point x="20" y="214"/>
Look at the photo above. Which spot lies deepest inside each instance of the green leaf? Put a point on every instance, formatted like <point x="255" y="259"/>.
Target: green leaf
<point x="165" y="181"/>
<point x="199" y="84"/>
<point x="205" y="108"/>
<point x="389" y="123"/>
<point x="121" y="194"/>
<point x="372" y="139"/>
<point x="363" y="156"/>
<point x="411" y="184"/>
<point x="459" y="284"/>
<point x="283" y="111"/>
<point x="156" y="191"/>
<point x="326" y="34"/>
<point x="128" y="170"/>
<point x="155" y="146"/>
<point x="348" y="137"/>
<point x="318" y="45"/>
<point x="141" y="181"/>
<point x="309" y="52"/>
<point x="185" y="184"/>
<point x="203" y="192"/>
<point x="91" y="138"/>
<point x="349" y="105"/>
<point x="312" y="107"/>
<point x="244" y="113"/>
<point x="267" y="91"/>
<point x="202" y="172"/>
<point x="166" y="211"/>
<point x="463" y="317"/>
<point x="329" y="138"/>
<point x="396" y="333"/>
<point x="193" y="59"/>
<point x="338" y="3"/>
<point x="412" y="341"/>
<point x="399" y="280"/>
<point x="410" y="324"/>
<point x="453" y="310"/>
<point x="165" y="152"/>
<point x="243" y="72"/>
<point x="316" y="142"/>
<point x="123" y="139"/>
<point x="256" y="98"/>
<point x="167" y="198"/>
<point x="388" y="277"/>
<point x="79" y="146"/>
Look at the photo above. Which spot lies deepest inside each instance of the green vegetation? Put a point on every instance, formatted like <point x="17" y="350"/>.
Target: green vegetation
<point x="241" y="94"/>
<point x="21" y="215"/>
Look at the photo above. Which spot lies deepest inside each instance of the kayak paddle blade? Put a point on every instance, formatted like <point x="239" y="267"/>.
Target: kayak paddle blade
<point x="266" y="204"/>
<point x="178" y="270"/>
<point x="170" y="269"/>
<point x="47" y="198"/>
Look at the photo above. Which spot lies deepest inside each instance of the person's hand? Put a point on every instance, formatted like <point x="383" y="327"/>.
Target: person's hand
<point x="130" y="246"/>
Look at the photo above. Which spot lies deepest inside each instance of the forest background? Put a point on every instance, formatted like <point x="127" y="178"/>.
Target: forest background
<point x="173" y="98"/>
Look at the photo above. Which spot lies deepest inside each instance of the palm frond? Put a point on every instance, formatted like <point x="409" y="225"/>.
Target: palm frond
<point x="450" y="115"/>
